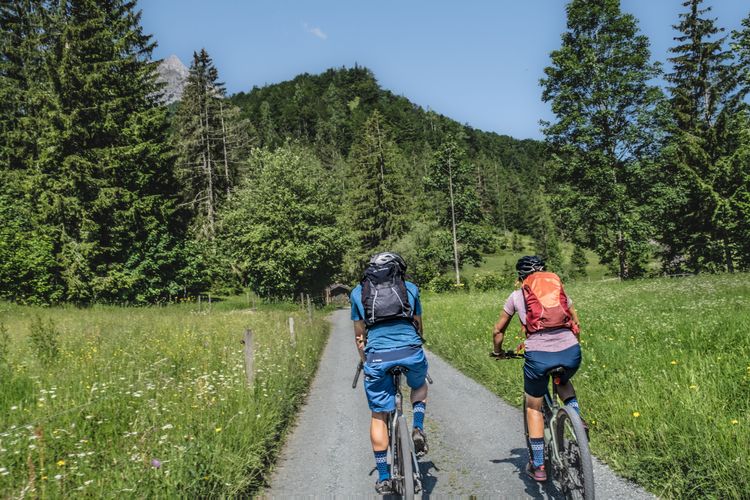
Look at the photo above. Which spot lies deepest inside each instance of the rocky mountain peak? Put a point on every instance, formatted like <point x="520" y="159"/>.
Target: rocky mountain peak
<point x="173" y="73"/>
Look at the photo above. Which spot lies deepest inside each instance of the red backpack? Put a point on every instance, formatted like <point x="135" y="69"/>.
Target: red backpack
<point x="546" y="303"/>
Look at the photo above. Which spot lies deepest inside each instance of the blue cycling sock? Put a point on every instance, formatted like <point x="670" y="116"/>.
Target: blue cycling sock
<point x="537" y="451"/>
<point x="419" y="408"/>
<point x="381" y="462"/>
<point x="573" y="403"/>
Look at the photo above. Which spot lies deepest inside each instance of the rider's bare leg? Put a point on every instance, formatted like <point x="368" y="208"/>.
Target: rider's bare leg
<point x="534" y="417"/>
<point x="419" y="394"/>
<point x="379" y="431"/>
<point x="566" y="391"/>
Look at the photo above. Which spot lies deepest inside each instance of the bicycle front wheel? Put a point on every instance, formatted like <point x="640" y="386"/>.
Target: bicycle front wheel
<point x="576" y="473"/>
<point x="405" y="463"/>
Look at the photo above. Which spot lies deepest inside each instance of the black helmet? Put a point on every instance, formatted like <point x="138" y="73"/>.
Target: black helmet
<point x="529" y="264"/>
<point x="383" y="258"/>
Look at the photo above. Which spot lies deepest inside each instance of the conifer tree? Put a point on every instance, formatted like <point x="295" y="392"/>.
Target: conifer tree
<point x="375" y="201"/>
<point x="705" y="135"/>
<point x="23" y="83"/>
<point x="210" y="140"/>
<point x="578" y="263"/>
<point x="545" y="234"/>
<point x="111" y="186"/>
<point x="99" y="189"/>
<point x="600" y="91"/>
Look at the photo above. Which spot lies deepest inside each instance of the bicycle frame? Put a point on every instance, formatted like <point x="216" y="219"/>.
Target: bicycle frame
<point x="549" y="409"/>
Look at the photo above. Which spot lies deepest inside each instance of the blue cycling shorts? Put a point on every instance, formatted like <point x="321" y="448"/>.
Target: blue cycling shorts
<point x="379" y="387"/>
<point x="538" y="363"/>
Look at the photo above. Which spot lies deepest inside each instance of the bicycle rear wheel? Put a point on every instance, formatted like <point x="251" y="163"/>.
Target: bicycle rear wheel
<point x="405" y="464"/>
<point x="576" y="474"/>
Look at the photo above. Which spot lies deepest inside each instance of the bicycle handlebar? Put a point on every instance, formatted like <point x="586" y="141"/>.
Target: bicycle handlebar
<point x="506" y="355"/>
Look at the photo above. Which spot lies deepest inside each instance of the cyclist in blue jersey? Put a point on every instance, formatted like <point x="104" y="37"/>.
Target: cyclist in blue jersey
<point x="387" y="316"/>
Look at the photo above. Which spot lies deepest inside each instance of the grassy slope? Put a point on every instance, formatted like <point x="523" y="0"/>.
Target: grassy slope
<point x="664" y="382"/>
<point x="498" y="261"/>
<point x="136" y="385"/>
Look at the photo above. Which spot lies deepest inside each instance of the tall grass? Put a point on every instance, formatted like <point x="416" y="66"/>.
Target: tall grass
<point x="147" y="402"/>
<point x="665" y="380"/>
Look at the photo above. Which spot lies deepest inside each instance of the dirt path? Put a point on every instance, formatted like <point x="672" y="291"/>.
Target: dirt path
<point x="476" y="439"/>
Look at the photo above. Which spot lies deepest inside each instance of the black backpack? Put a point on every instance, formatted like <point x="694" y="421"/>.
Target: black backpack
<point x="384" y="294"/>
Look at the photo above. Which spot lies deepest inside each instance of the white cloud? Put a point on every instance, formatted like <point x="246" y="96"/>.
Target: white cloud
<point x="316" y="31"/>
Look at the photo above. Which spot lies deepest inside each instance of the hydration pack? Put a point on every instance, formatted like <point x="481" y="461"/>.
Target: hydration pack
<point x="384" y="294"/>
<point x="546" y="303"/>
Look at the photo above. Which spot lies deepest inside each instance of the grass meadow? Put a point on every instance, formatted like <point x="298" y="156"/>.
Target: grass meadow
<point x="147" y="402"/>
<point x="665" y="379"/>
<point x="505" y="259"/>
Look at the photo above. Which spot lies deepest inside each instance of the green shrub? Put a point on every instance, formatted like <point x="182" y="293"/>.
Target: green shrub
<point x="44" y="339"/>
<point x="489" y="281"/>
<point x="443" y="284"/>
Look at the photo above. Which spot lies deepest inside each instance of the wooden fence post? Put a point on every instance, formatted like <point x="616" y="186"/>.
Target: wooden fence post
<point x="309" y="308"/>
<point x="292" y="336"/>
<point x="249" y="358"/>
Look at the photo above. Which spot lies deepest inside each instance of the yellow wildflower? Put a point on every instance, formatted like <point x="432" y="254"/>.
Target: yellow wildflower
<point x="218" y="429"/>
<point x="735" y="421"/>
<point x="60" y="463"/>
<point x="674" y="362"/>
<point x="636" y="414"/>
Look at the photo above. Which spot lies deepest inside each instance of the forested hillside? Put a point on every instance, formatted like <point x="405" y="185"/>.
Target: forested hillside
<point x="107" y="195"/>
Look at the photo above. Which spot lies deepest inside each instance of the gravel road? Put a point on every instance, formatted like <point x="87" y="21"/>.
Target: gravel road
<point x="476" y="439"/>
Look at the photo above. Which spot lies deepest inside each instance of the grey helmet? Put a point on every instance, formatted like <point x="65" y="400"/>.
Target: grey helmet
<point x="383" y="258"/>
<point x="529" y="264"/>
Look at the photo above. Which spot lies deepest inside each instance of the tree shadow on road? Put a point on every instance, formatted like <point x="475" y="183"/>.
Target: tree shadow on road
<point x="519" y="458"/>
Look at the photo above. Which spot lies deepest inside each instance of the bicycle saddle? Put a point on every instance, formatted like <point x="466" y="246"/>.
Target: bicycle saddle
<point x="557" y="371"/>
<point x="398" y="369"/>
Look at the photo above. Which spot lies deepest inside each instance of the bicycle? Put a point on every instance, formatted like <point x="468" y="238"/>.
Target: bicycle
<point x="402" y="458"/>
<point x="566" y="445"/>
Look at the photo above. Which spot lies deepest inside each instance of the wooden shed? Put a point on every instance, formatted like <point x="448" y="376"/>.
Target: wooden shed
<point x="338" y="293"/>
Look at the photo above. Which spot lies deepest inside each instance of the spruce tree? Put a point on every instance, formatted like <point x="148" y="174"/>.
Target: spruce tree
<point x="599" y="85"/>
<point x="23" y="82"/>
<point x="705" y="135"/>
<point x="545" y="234"/>
<point x="740" y="200"/>
<point x="578" y="263"/>
<point x="99" y="189"/>
<point x="211" y="143"/>
<point x="375" y="201"/>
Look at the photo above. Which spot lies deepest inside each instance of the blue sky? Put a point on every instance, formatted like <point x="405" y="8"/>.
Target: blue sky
<point x="478" y="62"/>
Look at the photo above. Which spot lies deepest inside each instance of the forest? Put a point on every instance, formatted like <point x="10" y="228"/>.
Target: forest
<point x="109" y="195"/>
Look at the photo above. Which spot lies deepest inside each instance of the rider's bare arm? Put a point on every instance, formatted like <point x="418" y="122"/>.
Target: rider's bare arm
<point x="498" y="334"/>
<point x="574" y="313"/>
<point x="360" y="338"/>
